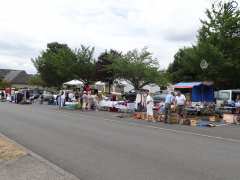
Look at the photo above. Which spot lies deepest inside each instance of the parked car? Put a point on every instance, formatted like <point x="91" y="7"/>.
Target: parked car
<point x="130" y="96"/>
<point x="47" y="95"/>
<point x="159" y="96"/>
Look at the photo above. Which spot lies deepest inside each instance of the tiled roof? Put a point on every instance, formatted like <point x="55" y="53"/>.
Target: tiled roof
<point x="14" y="76"/>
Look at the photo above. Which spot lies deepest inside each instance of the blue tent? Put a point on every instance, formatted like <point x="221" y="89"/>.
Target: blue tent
<point x="201" y="91"/>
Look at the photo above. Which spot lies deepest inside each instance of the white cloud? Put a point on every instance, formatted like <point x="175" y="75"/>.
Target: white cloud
<point x="164" y="26"/>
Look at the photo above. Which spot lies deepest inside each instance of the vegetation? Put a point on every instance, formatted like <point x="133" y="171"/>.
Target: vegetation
<point x="138" y="67"/>
<point x="36" y="80"/>
<point x="4" y="84"/>
<point x="59" y="64"/>
<point x="218" y="43"/>
<point x="56" y="64"/>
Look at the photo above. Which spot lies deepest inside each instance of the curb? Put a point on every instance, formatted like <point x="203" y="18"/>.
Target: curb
<point x="56" y="168"/>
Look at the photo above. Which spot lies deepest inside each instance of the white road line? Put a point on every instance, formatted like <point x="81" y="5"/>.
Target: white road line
<point x="164" y="129"/>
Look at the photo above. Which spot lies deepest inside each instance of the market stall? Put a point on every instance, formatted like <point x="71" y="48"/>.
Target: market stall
<point x="199" y="91"/>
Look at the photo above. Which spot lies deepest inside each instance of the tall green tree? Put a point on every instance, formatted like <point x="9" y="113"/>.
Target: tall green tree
<point x="218" y="43"/>
<point x="56" y="64"/>
<point x="105" y="60"/>
<point x="139" y="68"/>
<point x="85" y="66"/>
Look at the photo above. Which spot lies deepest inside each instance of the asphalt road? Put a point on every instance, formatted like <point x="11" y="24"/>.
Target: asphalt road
<point x="98" y="146"/>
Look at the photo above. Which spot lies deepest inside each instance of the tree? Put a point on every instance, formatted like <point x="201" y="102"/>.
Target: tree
<point x="56" y="65"/>
<point x="85" y="66"/>
<point x="218" y="43"/>
<point x="103" y="72"/>
<point x="36" y="80"/>
<point x="4" y="84"/>
<point x="138" y="67"/>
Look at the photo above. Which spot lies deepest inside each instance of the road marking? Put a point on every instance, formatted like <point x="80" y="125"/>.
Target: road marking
<point x="163" y="129"/>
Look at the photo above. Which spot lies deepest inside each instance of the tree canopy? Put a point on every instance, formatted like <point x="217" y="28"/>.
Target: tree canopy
<point x="138" y="67"/>
<point x="105" y="60"/>
<point x="85" y="65"/>
<point x="56" y="64"/>
<point x="218" y="43"/>
<point x="59" y="64"/>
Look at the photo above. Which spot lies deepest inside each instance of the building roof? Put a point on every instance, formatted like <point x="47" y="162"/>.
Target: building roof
<point x="4" y="72"/>
<point x="14" y="76"/>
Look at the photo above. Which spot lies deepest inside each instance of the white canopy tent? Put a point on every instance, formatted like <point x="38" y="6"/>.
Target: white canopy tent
<point x="74" y="83"/>
<point x="100" y="83"/>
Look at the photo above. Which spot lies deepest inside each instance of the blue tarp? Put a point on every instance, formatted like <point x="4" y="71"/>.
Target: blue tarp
<point x="200" y="91"/>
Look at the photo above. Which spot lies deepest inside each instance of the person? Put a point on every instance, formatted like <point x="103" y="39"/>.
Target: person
<point x="90" y="100"/>
<point x="168" y="102"/>
<point x="77" y="96"/>
<point x="149" y="104"/>
<point x="71" y="96"/>
<point x="59" y="99"/>
<point x="2" y="95"/>
<point x="237" y="104"/>
<point x="180" y="103"/>
<point x="84" y="100"/>
<point x="62" y="99"/>
<point x="67" y="99"/>
<point x="95" y="101"/>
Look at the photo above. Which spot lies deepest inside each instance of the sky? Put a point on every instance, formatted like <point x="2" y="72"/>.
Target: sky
<point x="26" y="26"/>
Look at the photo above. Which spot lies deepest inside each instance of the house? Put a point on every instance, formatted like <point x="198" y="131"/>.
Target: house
<point x="17" y="78"/>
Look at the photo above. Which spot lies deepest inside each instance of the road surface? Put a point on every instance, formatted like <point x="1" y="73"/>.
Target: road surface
<point x="97" y="146"/>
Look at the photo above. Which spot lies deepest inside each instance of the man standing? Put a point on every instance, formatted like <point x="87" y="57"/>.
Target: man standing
<point x="180" y="102"/>
<point x="168" y="102"/>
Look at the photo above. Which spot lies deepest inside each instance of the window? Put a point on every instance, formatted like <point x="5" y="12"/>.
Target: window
<point x="224" y="95"/>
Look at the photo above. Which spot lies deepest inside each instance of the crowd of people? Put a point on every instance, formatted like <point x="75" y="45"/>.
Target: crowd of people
<point x="90" y="99"/>
<point x="87" y="99"/>
<point x="145" y="104"/>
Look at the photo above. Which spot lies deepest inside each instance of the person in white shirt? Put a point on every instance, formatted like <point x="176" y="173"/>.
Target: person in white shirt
<point x="84" y="100"/>
<point x="149" y="105"/>
<point x="180" y="103"/>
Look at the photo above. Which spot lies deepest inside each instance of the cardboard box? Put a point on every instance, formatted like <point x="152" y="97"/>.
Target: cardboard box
<point x="228" y="118"/>
<point x="173" y="119"/>
<point x="193" y="121"/>
<point x="212" y="118"/>
<point x="143" y="116"/>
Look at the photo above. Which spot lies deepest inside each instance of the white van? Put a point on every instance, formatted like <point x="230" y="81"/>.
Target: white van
<point x="226" y="96"/>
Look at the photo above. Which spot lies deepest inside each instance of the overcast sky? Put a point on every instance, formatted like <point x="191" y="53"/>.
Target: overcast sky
<point x="26" y="26"/>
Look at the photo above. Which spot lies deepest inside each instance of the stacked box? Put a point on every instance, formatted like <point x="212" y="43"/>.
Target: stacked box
<point x="173" y="119"/>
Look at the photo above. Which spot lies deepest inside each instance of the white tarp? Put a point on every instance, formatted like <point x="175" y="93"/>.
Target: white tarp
<point x="74" y="83"/>
<point x="100" y="83"/>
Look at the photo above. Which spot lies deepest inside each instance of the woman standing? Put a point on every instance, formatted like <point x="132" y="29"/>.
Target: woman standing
<point x="149" y="104"/>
